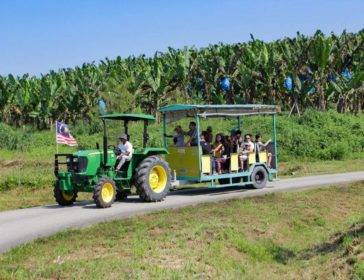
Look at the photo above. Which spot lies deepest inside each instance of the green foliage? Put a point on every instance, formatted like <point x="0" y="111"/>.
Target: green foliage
<point x="318" y="135"/>
<point x="15" y="139"/>
<point x="256" y="71"/>
<point x="358" y="272"/>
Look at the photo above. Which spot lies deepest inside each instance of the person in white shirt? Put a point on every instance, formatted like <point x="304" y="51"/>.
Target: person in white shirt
<point x="126" y="149"/>
<point x="246" y="147"/>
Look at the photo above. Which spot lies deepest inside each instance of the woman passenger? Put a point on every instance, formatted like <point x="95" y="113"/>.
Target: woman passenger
<point x="218" y="149"/>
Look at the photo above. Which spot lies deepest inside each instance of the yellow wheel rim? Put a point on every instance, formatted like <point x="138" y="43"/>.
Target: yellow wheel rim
<point x="158" y="178"/>
<point x="67" y="196"/>
<point x="107" y="192"/>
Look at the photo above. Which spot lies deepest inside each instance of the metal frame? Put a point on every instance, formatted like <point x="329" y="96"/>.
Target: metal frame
<point x="199" y="112"/>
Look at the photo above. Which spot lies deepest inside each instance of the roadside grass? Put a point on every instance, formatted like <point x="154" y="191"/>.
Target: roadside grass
<point x="314" y="234"/>
<point x="29" y="183"/>
<point x="298" y="168"/>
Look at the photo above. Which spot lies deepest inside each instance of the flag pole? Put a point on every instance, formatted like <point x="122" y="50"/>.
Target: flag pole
<point x="56" y="137"/>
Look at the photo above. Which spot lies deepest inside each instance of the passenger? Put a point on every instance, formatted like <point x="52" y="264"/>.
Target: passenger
<point x="193" y="134"/>
<point x="178" y="137"/>
<point x="246" y="148"/>
<point x="228" y="145"/>
<point x="262" y="147"/>
<point x="126" y="149"/>
<point x="224" y="161"/>
<point x="208" y="136"/>
<point x="206" y="147"/>
<point x="218" y="149"/>
<point x="238" y="140"/>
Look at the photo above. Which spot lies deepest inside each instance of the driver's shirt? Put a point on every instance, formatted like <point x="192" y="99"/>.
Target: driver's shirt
<point x="127" y="147"/>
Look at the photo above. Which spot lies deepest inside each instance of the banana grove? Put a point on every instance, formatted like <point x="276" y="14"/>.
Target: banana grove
<point x="319" y="72"/>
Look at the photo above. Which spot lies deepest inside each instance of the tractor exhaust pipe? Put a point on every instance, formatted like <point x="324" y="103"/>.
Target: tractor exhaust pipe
<point x="105" y="143"/>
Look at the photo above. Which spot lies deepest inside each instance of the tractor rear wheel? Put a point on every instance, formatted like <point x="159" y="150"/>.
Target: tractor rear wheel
<point x="63" y="198"/>
<point x="153" y="179"/>
<point x="104" y="192"/>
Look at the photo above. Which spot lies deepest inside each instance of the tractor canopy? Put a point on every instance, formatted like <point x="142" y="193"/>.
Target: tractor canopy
<point x="128" y="117"/>
<point x="179" y="111"/>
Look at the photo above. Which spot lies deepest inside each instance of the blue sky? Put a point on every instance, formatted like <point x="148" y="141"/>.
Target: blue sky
<point x="39" y="35"/>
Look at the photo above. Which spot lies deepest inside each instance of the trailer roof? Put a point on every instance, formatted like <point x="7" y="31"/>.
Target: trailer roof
<point x="128" y="117"/>
<point x="179" y="111"/>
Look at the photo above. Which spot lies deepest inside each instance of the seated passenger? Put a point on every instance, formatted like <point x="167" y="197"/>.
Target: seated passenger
<point x="262" y="147"/>
<point x="218" y="149"/>
<point x="228" y="149"/>
<point x="238" y="140"/>
<point x="246" y="147"/>
<point x="193" y="135"/>
<point x="206" y="147"/>
<point x="126" y="151"/>
<point x="178" y="137"/>
<point x="208" y="136"/>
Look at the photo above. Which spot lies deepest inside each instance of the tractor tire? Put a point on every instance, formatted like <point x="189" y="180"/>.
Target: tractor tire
<point x="104" y="192"/>
<point x="259" y="177"/>
<point x="152" y="179"/>
<point x="63" y="198"/>
<point x="121" y="195"/>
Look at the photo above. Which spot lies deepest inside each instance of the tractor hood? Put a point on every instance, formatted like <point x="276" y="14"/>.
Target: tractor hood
<point x="92" y="153"/>
<point x="92" y="160"/>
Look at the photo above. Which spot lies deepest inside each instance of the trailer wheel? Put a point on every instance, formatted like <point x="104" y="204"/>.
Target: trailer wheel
<point x="104" y="193"/>
<point x="259" y="177"/>
<point x="63" y="198"/>
<point x="152" y="179"/>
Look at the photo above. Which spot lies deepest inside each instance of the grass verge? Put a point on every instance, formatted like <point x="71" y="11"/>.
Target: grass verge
<point x="315" y="234"/>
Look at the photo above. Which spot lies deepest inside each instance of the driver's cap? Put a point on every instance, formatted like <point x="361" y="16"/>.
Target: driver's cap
<point x="123" y="136"/>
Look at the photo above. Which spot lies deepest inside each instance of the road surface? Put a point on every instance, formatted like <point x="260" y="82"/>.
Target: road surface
<point x="20" y="226"/>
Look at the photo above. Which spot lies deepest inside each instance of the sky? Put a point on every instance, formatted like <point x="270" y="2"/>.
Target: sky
<point x="39" y="35"/>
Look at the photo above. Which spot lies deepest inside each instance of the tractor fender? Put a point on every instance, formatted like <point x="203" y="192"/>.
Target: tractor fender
<point x="154" y="151"/>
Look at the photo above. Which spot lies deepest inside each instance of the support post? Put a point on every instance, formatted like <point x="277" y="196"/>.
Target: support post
<point x="275" y="142"/>
<point x="105" y="142"/>
<point x="145" y="134"/>
<point x="126" y="129"/>
<point x="164" y="131"/>
<point x="198" y="143"/>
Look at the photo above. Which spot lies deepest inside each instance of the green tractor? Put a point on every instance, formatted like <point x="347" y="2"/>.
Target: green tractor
<point x="94" y="170"/>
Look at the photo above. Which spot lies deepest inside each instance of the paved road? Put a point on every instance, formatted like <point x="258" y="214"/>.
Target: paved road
<point x="20" y="226"/>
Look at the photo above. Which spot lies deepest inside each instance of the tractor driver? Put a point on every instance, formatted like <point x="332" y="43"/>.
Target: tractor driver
<point x="126" y="149"/>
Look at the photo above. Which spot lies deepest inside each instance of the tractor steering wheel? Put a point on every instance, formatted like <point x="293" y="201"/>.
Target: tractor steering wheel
<point x="115" y="149"/>
<point x="111" y="147"/>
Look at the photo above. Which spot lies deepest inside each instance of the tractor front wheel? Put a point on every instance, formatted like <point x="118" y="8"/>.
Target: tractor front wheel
<point x="153" y="179"/>
<point x="104" y="193"/>
<point x="63" y="198"/>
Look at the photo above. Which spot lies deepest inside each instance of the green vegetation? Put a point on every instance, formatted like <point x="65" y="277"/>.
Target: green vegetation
<point x="326" y="71"/>
<point x="315" y="143"/>
<point x="316" y="234"/>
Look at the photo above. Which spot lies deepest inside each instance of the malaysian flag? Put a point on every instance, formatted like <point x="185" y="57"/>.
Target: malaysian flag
<point x="63" y="135"/>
